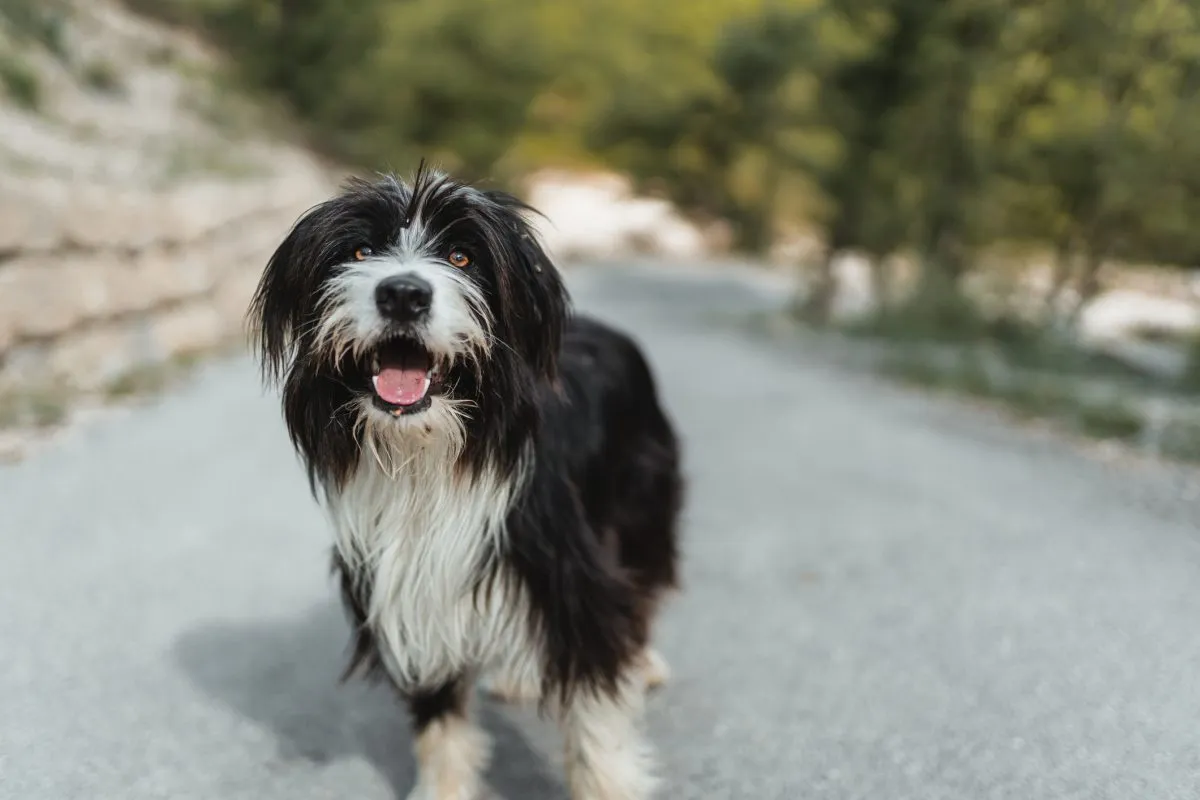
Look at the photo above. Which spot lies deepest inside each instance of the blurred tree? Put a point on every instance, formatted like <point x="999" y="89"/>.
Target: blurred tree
<point x="1089" y="123"/>
<point x="703" y="131"/>
<point x="399" y="80"/>
<point x="455" y="91"/>
<point x="932" y="128"/>
<point x="858" y="57"/>
<point x="931" y="134"/>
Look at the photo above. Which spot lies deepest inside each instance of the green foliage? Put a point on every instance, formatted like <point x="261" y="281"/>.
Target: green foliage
<point x="719" y="139"/>
<point x="20" y="81"/>
<point x="1029" y="394"/>
<point x="398" y="81"/>
<point x="1111" y="419"/>
<point x="39" y="407"/>
<point x="1180" y="439"/>
<point x="933" y="129"/>
<point x="153" y="378"/>
<point x="937" y="128"/>
<point x="1093" y="120"/>
<point x="1191" y="378"/>
<point x="103" y="76"/>
<point x="40" y="21"/>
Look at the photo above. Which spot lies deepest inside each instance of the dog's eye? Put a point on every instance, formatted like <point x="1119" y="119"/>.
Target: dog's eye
<point x="459" y="258"/>
<point x="362" y="254"/>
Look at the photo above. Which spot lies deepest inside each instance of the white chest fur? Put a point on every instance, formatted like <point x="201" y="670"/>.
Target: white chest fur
<point x="422" y="535"/>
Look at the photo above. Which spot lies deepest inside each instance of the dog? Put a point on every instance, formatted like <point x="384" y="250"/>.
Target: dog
<point x="502" y="480"/>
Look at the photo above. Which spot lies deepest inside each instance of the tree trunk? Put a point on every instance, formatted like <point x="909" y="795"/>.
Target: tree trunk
<point x="1088" y="286"/>
<point x="754" y="222"/>
<point x="941" y="269"/>
<point x="1060" y="276"/>
<point x="751" y="232"/>
<point x="881" y="284"/>
<point x="1191" y="376"/>
<point x="816" y="306"/>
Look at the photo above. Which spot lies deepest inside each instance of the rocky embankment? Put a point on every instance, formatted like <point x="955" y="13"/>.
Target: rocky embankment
<point x="139" y="199"/>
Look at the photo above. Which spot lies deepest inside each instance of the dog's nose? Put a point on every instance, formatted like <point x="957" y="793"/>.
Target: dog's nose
<point x="404" y="298"/>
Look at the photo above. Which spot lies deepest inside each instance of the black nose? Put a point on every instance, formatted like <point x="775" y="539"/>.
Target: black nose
<point x="404" y="298"/>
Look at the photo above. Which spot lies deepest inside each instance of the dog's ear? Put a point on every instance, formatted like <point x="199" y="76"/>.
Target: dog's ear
<point x="286" y="290"/>
<point x="536" y="303"/>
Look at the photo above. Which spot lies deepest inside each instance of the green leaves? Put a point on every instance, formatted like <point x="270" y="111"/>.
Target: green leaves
<point x="936" y="127"/>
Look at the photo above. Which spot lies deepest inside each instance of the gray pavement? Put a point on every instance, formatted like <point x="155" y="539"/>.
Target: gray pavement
<point x="889" y="596"/>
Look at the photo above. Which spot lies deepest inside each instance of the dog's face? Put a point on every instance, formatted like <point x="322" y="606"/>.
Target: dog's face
<point x="397" y="308"/>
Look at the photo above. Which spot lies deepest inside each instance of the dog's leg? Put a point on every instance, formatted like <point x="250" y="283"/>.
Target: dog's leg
<point x="607" y="756"/>
<point x="452" y="751"/>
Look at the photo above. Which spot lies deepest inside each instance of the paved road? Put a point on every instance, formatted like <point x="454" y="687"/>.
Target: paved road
<point x="889" y="597"/>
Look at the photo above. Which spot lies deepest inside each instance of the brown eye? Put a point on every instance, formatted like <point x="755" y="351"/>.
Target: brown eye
<point x="459" y="258"/>
<point x="362" y="254"/>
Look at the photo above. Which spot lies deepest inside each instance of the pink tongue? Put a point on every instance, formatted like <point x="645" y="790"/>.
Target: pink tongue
<point x="401" y="387"/>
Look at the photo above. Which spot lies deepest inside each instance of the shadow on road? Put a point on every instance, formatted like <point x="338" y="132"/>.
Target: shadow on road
<point x="283" y="674"/>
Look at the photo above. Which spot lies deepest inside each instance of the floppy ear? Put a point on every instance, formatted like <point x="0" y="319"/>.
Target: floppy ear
<point x="536" y="303"/>
<point x="285" y="295"/>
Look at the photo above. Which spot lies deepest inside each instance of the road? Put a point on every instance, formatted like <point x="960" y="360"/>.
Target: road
<point x="889" y="596"/>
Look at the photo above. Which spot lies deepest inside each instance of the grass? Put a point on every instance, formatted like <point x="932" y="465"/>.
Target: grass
<point x="1113" y="419"/>
<point x="103" y="76"/>
<point x="20" y="81"/>
<point x="150" y="379"/>
<point x="162" y="55"/>
<point x="38" y="407"/>
<point x="1026" y="395"/>
<point x="207" y="158"/>
<point x="41" y="21"/>
<point x="1162" y="334"/>
<point x="1191" y="377"/>
<point x="220" y="100"/>
<point x="1036" y="374"/>
<point x="174" y="12"/>
<point x="32" y="408"/>
<point x="1020" y="343"/>
<point x="1181" y="440"/>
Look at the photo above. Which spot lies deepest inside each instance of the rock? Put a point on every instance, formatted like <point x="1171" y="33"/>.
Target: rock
<point x="89" y="359"/>
<point x="191" y="328"/>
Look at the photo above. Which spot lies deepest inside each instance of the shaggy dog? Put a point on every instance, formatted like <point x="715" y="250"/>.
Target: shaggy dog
<point x="502" y="481"/>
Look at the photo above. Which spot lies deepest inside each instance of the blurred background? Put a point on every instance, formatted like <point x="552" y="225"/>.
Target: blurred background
<point x="919" y="282"/>
<point x="1001" y="192"/>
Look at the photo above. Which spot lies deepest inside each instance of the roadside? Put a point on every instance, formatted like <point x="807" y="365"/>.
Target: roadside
<point x="1084" y="393"/>
<point x="139" y="196"/>
<point x="141" y="192"/>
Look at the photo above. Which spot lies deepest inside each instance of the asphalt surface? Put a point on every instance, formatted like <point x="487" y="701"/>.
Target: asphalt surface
<point x="888" y="596"/>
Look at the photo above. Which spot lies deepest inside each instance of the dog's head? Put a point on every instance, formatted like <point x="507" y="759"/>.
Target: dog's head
<point x="400" y="312"/>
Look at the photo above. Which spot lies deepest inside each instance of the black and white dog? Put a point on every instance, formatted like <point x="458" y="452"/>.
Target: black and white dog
<point x="501" y="478"/>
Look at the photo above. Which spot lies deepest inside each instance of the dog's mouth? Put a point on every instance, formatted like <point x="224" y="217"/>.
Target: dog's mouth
<point x="405" y="376"/>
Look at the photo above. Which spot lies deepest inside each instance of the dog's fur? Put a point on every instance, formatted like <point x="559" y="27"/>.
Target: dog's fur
<point x="517" y="523"/>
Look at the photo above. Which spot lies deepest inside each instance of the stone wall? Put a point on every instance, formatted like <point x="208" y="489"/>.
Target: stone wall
<point x="94" y="285"/>
<point x="135" y="220"/>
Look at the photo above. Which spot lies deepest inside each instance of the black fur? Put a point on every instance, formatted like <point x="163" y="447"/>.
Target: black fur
<point x="430" y="705"/>
<point x="591" y="539"/>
